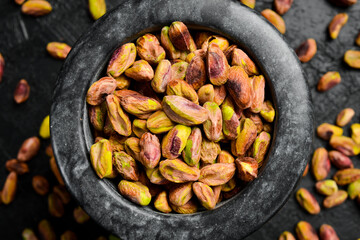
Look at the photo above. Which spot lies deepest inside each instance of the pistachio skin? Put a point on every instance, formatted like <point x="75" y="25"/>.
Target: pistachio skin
<point x="149" y="49"/>
<point x="126" y="166"/>
<point x="175" y="141"/>
<point x="178" y="171"/>
<point x="326" y="130"/>
<point x="239" y="87"/>
<point x="327" y="232"/>
<point x="307" y="50"/>
<point x="286" y="236"/>
<point x="122" y="59"/>
<point x="240" y="58"/>
<point x="101" y="158"/>
<point x="205" y="195"/>
<point x="180" y="37"/>
<point x="191" y="152"/>
<point x="196" y="72"/>
<point x="307" y="201"/>
<point x="336" y="24"/>
<point x="161" y="203"/>
<point x="99" y="90"/>
<point x="183" y="111"/>
<point x="119" y="120"/>
<point x="217" y="174"/>
<point x="135" y="192"/>
<point x="304" y="231"/>
<point x="320" y="164"/>
<point x="140" y="71"/>
<point x="158" y="122"/>
<point x="97" y="8"/>
<point x="181" y="194"/>
<point x="213" y="125"/>
<point x="162" y="76"/>
<point x="217" y="65"/>
<point x="326" y="187"/>
<point x="275" y="19"/>
<point x="352" y="58"/>
<point x="170" y="49"/>
<point x="150" y="152"/>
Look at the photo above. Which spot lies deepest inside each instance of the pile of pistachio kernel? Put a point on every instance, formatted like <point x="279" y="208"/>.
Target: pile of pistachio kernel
<point x="191" y="130"/>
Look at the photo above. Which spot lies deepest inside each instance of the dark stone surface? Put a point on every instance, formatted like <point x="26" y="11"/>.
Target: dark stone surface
<point x="23" y="40"/>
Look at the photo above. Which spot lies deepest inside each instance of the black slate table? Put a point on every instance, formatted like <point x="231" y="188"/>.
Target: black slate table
<point x="23" y="41"/>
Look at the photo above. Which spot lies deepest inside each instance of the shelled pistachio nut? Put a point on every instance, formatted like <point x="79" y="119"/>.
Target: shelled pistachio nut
<point x="101" y="158"/>
<point x="135" y="192"/>
<point x="158" y="123"/>
<point x="183" y="111"/>
<point x="209" y="151"/>
<point x="204" y="194"/>
<point x="178" y="172"/>
<point x="320" y="164"/>
<point x="149" y="49"/>
<point x="307" y="201"/>
<point x="181" y="194"/>
<point x="191" y="152"/>
<point x="326" y="130"/>
<point x="213" y="125"/>
<point x="122" y="59"/>
<point x="126" y="166"/>
<point x="217" y="174"/>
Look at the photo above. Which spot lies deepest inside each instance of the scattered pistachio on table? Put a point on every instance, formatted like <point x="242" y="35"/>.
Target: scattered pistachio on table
<point x="307" y="201"/>
<point x="346" y="176"/>
<point x="46" y="230"/>
<point x="58" y="50"/>
<point x="327" y="232"/>
<point x="307" y="50"/>
<point x="320" y="164"/>
<point x="97" y="8"/>
<point x="28" y="234"/>
<point x="304" y="231"/>
<point x="352" y="58"/>
<point x="328" y="81"/>
<point x="17" y="166"/>
<point x="40" y="185"/>
<point x="9" y="190"/>
<point x="22" y="91"/>
<point x="68" y="235"/>
<point x="80" y="215"/>
<point x="340" y="160"/>
<point x="55" y="205"/>
<point x="344" y="117"/>
<point x="36" y="8"/>
<point x="326" y="130"/>
<point x="249" y="3"/>
<point x="286" y="236"/>
<point x="336" y="24"/>
<point x="28" y="149"/>
<point x="275" y="19"/>
<point x="44" y="131"/>
<point x="326" y="187"/>
<point x="282" y="6"/>
<point x="335" y="199"/>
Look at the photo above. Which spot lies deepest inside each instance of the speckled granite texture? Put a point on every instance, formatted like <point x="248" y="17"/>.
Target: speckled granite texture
<point x="23" y="40"/>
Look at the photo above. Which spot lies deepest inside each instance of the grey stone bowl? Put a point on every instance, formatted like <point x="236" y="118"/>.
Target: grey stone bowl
<point x="256" y="203"/>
